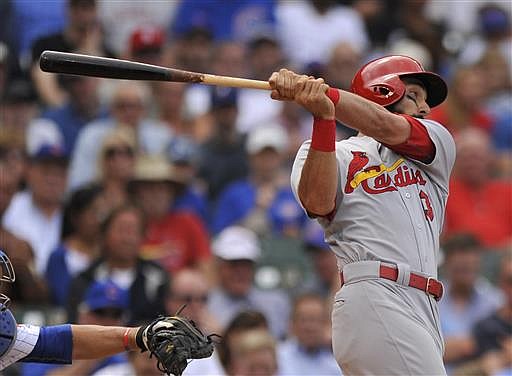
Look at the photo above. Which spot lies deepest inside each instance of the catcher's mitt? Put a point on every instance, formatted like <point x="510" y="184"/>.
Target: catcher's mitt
<point x="173" y="340"/>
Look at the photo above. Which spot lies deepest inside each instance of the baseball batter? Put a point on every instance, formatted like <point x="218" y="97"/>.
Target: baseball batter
<point x="380" y="198"/>
<point x="172" y="340"/>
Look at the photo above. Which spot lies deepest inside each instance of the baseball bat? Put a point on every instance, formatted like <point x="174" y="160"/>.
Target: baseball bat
<point x="96" y="66"/>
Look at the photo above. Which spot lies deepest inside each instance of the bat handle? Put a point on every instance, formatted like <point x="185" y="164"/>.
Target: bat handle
<point x="212" y="79"/>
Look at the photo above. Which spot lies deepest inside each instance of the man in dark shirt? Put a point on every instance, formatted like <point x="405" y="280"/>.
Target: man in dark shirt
<point x="82" y="34"/>
<point x="223" y="158"/>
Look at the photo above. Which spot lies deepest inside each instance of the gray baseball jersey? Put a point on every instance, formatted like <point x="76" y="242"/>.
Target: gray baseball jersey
<point x="389" y="208"/>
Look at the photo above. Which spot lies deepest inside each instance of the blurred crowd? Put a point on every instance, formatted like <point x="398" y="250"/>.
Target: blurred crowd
<point x="121" y="200"/>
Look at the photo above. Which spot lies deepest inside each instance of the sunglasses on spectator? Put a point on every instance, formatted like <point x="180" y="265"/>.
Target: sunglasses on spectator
<point x="193" y="298"/>
<point x="119" y="151"/>
<point x="111" y="313"/>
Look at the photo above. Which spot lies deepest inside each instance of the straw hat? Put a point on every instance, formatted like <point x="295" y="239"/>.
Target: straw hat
<point x="155" y="168"/>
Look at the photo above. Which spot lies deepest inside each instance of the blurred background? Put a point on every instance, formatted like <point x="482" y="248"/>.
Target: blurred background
<point x="120" y="201"/>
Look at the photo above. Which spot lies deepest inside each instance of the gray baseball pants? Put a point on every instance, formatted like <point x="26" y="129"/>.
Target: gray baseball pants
<point x="383" y="328"/>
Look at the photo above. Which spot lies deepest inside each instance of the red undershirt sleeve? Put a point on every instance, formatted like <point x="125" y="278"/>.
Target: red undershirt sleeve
<point x="419" y="145"/>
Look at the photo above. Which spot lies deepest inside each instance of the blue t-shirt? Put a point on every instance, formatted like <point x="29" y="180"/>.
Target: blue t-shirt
<point x="58" y="276"/>
<point x="70" y="123"/>
<point x="239" y="198"/>
<point x="227" y="20"/>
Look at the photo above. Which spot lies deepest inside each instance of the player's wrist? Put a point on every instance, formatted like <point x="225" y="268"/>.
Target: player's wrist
<point x="324" y="135"/>
<point x="334" y="95"/>
<point x="137" y="338"/>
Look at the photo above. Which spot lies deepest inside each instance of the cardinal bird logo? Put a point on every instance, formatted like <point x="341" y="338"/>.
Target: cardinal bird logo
<point x="359" y="160"/>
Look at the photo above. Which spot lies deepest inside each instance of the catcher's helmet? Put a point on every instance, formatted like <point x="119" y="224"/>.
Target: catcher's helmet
<point x="6" y="275"/>
<point x="7" y="320"/>
<point x="380" y="80"/>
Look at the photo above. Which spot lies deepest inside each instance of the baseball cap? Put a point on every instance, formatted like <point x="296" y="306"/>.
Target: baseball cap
<point x="237" y="243"/>
<point x="105" y="294"/>
<point x="52" y="153"/>
<point x="147" y="39"/>
<point x="222" y="97"/>
<point x="269" y="136"/>
<point x="19" y="91"/>
<point x="314" y="237"/>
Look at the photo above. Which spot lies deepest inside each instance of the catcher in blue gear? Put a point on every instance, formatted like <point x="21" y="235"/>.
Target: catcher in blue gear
<point x="173" y="341"/>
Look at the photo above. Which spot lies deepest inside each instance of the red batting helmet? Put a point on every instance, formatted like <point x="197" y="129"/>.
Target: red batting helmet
<point x="380" y="80"/>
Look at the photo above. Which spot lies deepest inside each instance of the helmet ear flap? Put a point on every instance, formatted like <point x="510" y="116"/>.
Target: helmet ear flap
<point x="382" y="91"/>
<point x="386" y="91"/>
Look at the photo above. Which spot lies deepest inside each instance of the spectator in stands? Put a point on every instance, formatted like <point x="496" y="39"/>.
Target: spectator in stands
<point x="326" y="278"/>
<point x="464" y="107"/>
<point x="344" y="61"/>
<point x="29" y="287"/>
<point x="253" y="354"/>
<point x="128" y="107"/>
<point x="13" y="155"/>
<point x="468" y="298"/>
<point x="245" y="321"/>
<point x="263" y="201"/>
<point x="193" y="49"/>
<point x="80" y="245"/>
<point x="264" y="56"/>
<point x="237" y="249"/>
<point x="169" y="100"/>
<point x="116" y="166"/>
<point x="228" y="59"/>
<point x="478" y="204"/>
<point x="35" y="215"/>
<point x="413" y="24"/>
<point x="308" y="350"/>
<point x="19" y="106"/>
<point x="310" y="29"/>
<point x="491" y="30"/>
<point x="499" y="81"/>
<point x="82" y="34"/>
<point x="146" y="44"/>
<point x="189" y="293"/>
<point x="379" y="17"/>
<point x="183" y="154"/>
<point x="493" y="334"/>
<point x="139" y="364"/>
<point x="104" y="303"/>
<point x="223" y="158"/>
<point x="82" y="106"/>
<point x="120" y="20"/>
<point x="146" y="281"/>
<point x="28" y="21"/>
<point x="175" y="239"/>
<point x="237" y="20"/>
<point x="190" y="290"/>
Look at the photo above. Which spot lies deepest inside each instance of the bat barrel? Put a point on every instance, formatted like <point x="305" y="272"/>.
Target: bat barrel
<point x="95" y="66"/>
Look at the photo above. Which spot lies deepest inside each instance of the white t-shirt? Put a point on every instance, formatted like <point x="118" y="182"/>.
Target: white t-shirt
<point x="308" y="36"/>
<point x="27" y="222"/>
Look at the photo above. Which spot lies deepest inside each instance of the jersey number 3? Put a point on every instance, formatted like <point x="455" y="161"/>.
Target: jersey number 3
<point x="427" y="206"/>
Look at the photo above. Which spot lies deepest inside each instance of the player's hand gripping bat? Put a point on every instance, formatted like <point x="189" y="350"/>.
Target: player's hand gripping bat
<point x="95" y="66"/>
